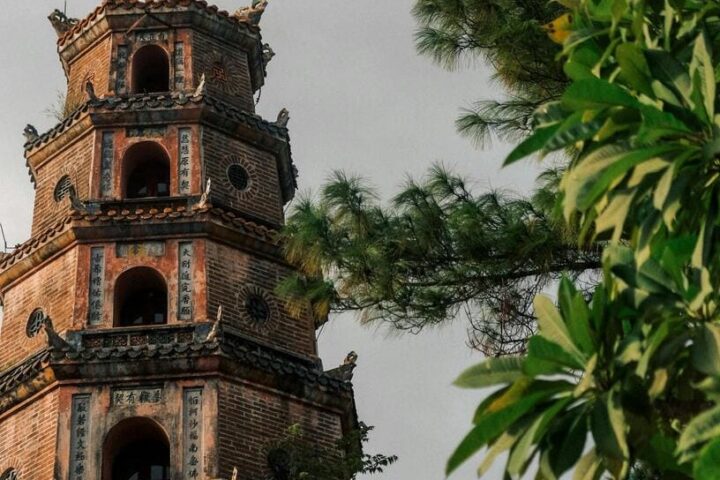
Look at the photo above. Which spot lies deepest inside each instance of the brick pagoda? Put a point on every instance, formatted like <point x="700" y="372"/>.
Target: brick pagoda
<point x="142" y="338"/>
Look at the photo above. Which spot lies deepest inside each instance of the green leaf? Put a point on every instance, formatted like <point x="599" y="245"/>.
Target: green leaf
<point x="521" y="453"/>
<point x="546" y="357"/>
<point x="588" y="467"/>
<point x="492" y="371"/>
<point x="701" y="429"/>
<point x="614" y="215"/>
<point x="702" y="68"/>
<point x="577" y="314"/>
<point x="594" y="187"/>
<point x="535" y="143"/>
<point x="596" y="93"/>
<point x="568" y="442"/>
<point x="502" y="444"/>
<point x="608" y="427"/>
<point x="491" y="425"/>
<point x="707" y="466"/>
<point x="553" y="328"/>
<point x="666" y="69"/>
<point x="634" y="68"/>
<point x="706" y="350"/>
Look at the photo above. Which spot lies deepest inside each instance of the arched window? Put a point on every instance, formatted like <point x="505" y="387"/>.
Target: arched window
<point x="147" y="171"/>
<point x="140" y="298"/>
<point x="136" y="449"/>
<point x="151" y="70"/>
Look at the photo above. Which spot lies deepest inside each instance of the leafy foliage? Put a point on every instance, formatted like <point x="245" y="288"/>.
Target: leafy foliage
<point x="295" y="458"/>
<point x="438" y="251"/>
<point x="636" y="368"/>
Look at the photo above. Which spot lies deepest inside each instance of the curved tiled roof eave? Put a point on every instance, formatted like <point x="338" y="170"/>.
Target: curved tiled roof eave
<point x="99" y="11"/>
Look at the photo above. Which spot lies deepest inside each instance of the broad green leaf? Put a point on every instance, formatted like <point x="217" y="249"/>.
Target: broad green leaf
<point x="609" y="428"/>
<point x="662" y="189"/>
<point x="574" y="129"/>
<point x="707" y="466"/>
<point x="502" y="444"/>
<point x="614" y="215"/>
<point x="634" y="68"/>
<point x="666" y="69"/>
<point x="535" y="143"/>
<point x="492" y="371"/>
<point x="491" y="425"/>
<point x="701" y="429"/>
<point x="575" y="311"/>
<point x="521" y="453"/>
<point x="706" y="350"/>
<point x="657" y="124"/>
<point x="593" y="187"/>
<point x="702" y="67"/>
<point x="596" y="93"/>
<point x="546" y="357"/>
<point x="553" y="328"/>
<point x="568" y="442"/>
<point x="588" y="467"/>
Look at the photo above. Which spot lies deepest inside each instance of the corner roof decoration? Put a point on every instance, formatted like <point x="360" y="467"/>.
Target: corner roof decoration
<point x="61" y="23"/>
<point x="251" y="14"/>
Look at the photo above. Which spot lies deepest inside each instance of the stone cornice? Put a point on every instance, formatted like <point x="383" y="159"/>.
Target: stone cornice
<point x="113" y="224"/>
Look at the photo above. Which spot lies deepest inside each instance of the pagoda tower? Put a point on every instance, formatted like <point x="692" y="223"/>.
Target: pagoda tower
<point x="141" y="335"/>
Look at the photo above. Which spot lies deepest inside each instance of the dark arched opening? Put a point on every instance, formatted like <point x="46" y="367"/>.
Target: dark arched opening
<point x="136" y="449"/>
<point x="147" y="171"/>
<point x="151" y="70"/>
<point x="140" y="298"/>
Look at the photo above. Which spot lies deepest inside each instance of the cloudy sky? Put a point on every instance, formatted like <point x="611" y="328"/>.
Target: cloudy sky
<point x="361" y="100"/>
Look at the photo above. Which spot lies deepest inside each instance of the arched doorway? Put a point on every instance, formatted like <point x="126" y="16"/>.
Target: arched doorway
<point x="140" y="298"/>
<point x="136" y="449"/>
<point x="147" y="171"/>
<point x="151" y="70"/>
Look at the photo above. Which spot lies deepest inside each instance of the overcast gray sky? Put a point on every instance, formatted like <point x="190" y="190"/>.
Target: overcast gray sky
<point x="360" y="99"/>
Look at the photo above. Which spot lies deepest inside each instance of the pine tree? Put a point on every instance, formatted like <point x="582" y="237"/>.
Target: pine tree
<point x="440" y="250"/>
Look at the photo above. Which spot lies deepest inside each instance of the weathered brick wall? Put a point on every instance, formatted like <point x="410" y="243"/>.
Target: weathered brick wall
<point x="262" y="196"/>
<point x="51" y="288"/>
<point x="250" y="418"/>
<point x="28" y="438"/>
<point x="232" y="275"/>
<point x="226" y="70"/>
<point x="74" y="161"/>
<point x="94" y="65"/>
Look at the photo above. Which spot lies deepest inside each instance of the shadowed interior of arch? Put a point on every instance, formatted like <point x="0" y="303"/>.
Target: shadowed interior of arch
<point x="147" y="171"/>
<point x="140" y="298"/>
<point x="136" y="449"/>
<point x="151" y="70"/>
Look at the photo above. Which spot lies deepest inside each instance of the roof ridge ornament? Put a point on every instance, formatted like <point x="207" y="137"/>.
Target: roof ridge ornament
<point x="61" y="22"/>
<point x="251" y="14"/>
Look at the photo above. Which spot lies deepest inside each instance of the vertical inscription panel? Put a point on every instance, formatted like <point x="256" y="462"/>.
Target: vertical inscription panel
<point x="123" y="54"/>
<point x="192" y="433"/>
<point x="96" y="295"/>
<point x="80" y="426"/>
<point x="106" y="165"/>
<point x="179" y="66"/>
<point x="185" y="268"/>
<point x="184" y="161"/>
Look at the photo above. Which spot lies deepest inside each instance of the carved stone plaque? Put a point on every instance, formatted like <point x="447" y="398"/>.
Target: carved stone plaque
<point x="141" y="249"/>
<point x="192" y="434"/>
<point x="185" y="300"/>
<point x="79" y="432"/>
<point x="106" y="164"/>
<point x="184" y="161"/>
<point x="123" y="54"/>
<point x="129" y="397"/>
<point x="179" y="60"/>
<point x="96" y="295"/>
<point x="146" y="132"/>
